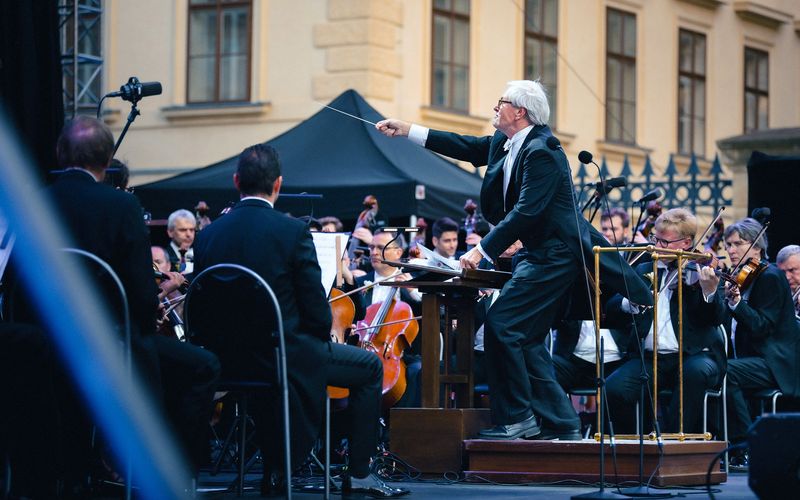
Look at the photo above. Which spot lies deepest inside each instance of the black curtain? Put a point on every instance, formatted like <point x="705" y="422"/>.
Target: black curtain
<point x="30" y="76"/>
<point x="774" y="182"/>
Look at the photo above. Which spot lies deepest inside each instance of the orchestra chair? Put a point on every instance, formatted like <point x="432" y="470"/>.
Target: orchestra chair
<point x="764" y="395"/>
<point x="109" y="286"/>
<point x="720" y="393"/>
<point x="232" y="311"/>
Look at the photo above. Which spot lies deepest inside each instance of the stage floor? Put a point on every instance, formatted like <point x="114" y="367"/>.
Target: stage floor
<point x="735" y="488"/>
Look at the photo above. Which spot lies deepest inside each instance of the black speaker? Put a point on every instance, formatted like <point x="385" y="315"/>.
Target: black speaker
<point x="774" y="442"/>
<point x="774" y="182"/>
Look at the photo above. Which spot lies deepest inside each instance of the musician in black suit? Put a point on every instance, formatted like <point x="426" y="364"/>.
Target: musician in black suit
<point x="703" y="347"/>
<point x="281" y="250"/>
<point x="765" y="339"/>
<point x="109" y="223"/>
<point x="527" y="194"/>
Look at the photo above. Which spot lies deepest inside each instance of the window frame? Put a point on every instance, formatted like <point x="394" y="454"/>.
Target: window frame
<point x="624" y="60"/>
<point x="452" y="16"/>
<point x="219" y="6"/>
<point x="543" y="39"/>
<point x="758" y="91"/>
<point x="693" y="78"/>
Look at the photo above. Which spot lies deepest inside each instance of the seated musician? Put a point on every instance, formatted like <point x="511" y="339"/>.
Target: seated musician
<point x="615" y="224"/>
<point x="331" y="224"/>
<point x="703" y="349"/>
<point x="763" y="331"/>
<point x="445" y="237"/>
<point x="181" y="227"/>
<point x="788" y="261"/>
<point x="281" y="250"/>
<point x="108" y="223"/>
<point x="381" y="249"/>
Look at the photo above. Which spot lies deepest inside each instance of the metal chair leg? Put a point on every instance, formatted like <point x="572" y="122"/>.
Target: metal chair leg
<point x="242" y="443"/>
<point x="327" y="447"/>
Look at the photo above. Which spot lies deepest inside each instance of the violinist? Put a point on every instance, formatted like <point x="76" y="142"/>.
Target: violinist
<point x="762" y="327"/>
<point x="281" y="250"/>
<point x="788" y="261"/>
<point x="615" y="224"/>
<point x="703" y="349"/>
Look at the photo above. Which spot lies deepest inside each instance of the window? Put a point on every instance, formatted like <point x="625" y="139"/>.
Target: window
<point x="691" y="93"/>
<point x="450" y="54"/>
<point x="620" y="76"/>
<point x="541" y="47"/>
<point x="756" y="90"/>
<point x="218" y="68"/>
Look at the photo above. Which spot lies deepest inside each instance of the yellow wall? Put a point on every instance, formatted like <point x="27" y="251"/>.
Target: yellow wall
<point x="311" y="50"/>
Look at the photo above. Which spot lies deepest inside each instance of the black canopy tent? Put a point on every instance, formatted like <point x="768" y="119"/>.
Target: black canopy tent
<point x="340" y="157"/>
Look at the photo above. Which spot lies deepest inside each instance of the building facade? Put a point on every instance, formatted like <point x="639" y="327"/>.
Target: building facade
<point x="635" y="79"/>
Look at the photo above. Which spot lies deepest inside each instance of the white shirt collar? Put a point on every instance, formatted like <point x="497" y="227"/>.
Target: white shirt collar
<point x="516" y="140"/>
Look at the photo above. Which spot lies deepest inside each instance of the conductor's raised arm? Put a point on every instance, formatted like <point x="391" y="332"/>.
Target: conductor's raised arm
<point x="393" y="128"/>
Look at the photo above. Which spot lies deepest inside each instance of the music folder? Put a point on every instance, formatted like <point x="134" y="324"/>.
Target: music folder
<point x="480" y="278"/>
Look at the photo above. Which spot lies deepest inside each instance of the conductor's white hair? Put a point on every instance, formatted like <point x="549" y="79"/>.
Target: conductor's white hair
<point x="532" y="96"/>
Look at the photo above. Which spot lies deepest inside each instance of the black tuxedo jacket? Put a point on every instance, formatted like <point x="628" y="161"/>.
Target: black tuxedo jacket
<point x="766" y="328"/>
<point x="110" y="224"/>
<point x="701" y="319"/>
<point x="539" y="207"/>
<point x="280" y="249"/>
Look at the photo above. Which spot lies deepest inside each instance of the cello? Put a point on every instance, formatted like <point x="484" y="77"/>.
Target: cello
<point x="388" y="328"/>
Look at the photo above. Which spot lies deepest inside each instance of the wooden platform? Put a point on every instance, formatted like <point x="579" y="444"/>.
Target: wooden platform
<point x="521" y="461"/>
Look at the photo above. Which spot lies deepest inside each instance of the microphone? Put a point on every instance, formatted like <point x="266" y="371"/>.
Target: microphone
<point x="585" y="157"/>
<point x="761" y="214"/>
<point x="134" y="90"/>
<point x="604" y="187"/>
<point x="655" y="194"/>
<point x="553" y="143"/>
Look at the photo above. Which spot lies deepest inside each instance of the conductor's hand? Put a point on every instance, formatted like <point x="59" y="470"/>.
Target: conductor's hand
<point x="471" y="259"/>
<point x="393" y="128"/>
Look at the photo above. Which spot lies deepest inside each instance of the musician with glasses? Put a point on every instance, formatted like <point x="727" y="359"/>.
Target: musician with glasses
<point x="788" y="261"/>
<point x="703" y="349"/>
<point x="764" y="336"/>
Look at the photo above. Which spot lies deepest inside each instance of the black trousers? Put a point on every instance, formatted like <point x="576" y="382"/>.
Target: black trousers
<point x="749" y="374"/>
<point x="519" y="367"/>
<point x="700" y="372"/>
<point x="574" y="372"/>
<point x="344" y="366"/>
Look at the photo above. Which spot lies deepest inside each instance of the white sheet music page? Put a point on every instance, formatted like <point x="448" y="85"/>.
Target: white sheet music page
<point x="434" y="259"/>
<point x="325" y="244"/>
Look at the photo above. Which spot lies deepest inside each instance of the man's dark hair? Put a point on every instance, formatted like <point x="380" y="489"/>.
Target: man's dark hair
<point x="624" y="218"/>
<point x="119" y="177"/>
<point x="85" y="142"/>
<point x="258" y="168"/>
<point x="444" y="225"/>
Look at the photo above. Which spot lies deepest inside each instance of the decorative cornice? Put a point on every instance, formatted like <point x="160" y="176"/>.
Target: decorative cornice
<point x="758" y="13"/>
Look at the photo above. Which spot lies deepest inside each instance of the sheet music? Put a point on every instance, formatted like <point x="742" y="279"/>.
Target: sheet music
<point x="437" y="260"/>
<point x="325" y="243"/>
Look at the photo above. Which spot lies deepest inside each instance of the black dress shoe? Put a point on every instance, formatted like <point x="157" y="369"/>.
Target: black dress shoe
<point x="568" y="435"/>
<point x="528" y="428"/>
<point x="370" y="486"/>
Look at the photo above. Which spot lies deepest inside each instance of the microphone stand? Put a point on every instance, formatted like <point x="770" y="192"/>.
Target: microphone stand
<point x="602" y="408"/>
<point x="131" y="116"/>
<point x="598" y="198"/>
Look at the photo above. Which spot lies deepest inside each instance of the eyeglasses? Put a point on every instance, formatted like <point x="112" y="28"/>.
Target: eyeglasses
<point x="502" y="101"/>
<point x="737" y="244"/>
<point x="380" y="248"/>
<point x="655" y="240"/>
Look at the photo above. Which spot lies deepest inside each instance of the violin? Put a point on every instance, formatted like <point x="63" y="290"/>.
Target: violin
<point x="715" y="238"/>
<point x="653" y="209"/>
<point x="171" y="323"/>
<point x="365" y="219"/>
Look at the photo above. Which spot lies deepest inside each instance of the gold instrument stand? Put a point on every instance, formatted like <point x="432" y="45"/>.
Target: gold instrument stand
<point x="657" y="254"/>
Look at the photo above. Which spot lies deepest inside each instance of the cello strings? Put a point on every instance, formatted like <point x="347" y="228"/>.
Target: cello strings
<point x="346" y="113"/>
